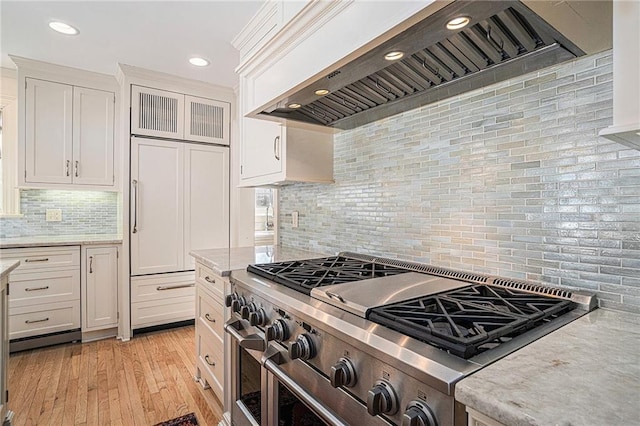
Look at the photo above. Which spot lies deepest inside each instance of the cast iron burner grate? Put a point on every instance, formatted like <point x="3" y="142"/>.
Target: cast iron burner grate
<point x="470" y="320"/>
<point x="305" y="275"/>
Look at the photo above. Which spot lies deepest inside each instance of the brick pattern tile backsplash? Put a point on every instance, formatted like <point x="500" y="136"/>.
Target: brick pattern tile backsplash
<point x="511" y="180"/>
<point x="83" y="212"/>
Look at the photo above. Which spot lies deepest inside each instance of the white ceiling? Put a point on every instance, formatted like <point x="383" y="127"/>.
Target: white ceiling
<point x="157" y="35"/>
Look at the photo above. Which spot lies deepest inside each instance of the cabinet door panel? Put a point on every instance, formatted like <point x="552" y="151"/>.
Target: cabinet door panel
<point x="206" y="120"/>
<point x="262" y="148"/>
<point x="206" y="199"/>
<point x="48" y="132"/>
<point x="101" y="296"/>
<point x="156" y="206"/>
<point x="93" y="114"/>
<point x="157" y="112"/>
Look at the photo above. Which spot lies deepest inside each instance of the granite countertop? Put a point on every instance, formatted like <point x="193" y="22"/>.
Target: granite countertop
<point x="6" y="266"/>
<point x="223" y="261"/>
<point x="59" y="240"/>
<point x="585" y="373"/>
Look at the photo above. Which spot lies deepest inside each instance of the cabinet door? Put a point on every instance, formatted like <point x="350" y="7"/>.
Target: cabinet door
<point x="156" y="206"/>
<point x="157" y="112"/>
<point x="206" y="120"/>
<point x="48" y="137"/>
<point x="206" y="199"/>
<point x="101" y="291"/>
<point x="93" y="121"/>
<point x="262" y="147"/>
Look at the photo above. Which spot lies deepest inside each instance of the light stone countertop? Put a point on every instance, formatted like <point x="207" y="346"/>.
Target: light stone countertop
<point x="59" y="240"/>
<point x="6" y="266"/>
<point x="585" y="373"/>
<point x="223" y="261"/>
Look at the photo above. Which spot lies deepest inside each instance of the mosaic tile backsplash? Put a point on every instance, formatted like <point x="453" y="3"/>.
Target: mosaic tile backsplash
<point x="83" y="212"/>
<point x="510" y="180"/>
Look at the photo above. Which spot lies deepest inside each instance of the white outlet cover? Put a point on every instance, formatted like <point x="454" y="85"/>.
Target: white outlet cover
<point x="54" y="215"/>
<point x="294" y="219"/>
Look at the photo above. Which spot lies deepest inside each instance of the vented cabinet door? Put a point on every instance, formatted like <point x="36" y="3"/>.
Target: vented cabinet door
<point x="206" y="120"/>
<point x="157" y="113"/>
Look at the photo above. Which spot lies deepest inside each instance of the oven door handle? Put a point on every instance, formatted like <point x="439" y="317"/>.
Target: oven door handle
<point x="247" y="341"/>
<point x="319" y="409"/>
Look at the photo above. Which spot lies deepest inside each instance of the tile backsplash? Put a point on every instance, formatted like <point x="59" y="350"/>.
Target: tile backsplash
<point x="83" y="212"/>
<point x="511" y="180"/>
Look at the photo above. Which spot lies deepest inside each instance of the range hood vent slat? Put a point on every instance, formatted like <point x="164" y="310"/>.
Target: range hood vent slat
<point x="505" y="39"/>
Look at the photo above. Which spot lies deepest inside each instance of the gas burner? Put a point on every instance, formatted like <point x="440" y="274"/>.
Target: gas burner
<point x="469" y="320"/>
<point x="305" y="275"/>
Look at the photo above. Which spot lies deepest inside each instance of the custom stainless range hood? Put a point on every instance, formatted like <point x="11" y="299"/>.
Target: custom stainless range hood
<point x="503" y="39"/>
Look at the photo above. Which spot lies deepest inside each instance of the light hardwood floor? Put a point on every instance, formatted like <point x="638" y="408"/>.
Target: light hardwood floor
<point x="141" y="382"/>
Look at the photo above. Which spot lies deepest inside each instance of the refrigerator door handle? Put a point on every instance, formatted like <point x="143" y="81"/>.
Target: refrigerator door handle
<point x="135" y="206"/>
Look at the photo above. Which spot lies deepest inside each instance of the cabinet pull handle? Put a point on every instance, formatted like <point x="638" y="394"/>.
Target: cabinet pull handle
<point x="36" y="288"/>
<point x="276" y="147"/>
<point x="42" y="259"/>
<point x="209" y="279"/>
<point x="67" y="167"/>
<point x="173" y="287"/>
<point x="135" y="206"/>
<point x="91" y="264"/>
<point x="211" y="363"/>
<point x="208" y="317"/>
<point x="76" y="168"/>
<point x="35" y="321"/>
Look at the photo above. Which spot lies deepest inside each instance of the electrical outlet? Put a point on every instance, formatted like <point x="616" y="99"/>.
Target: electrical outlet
<point x="294" y="219"/>
<point x="54" y="215"/>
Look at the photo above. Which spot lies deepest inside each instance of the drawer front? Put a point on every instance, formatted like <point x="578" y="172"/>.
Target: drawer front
<point x="42" y="319"/>
<point x="209" y="312"/>
<point x="162" y="287"/>
<point x="213" y="282"/>
<point x="44" y="287"/>
<point x="157" y="312"/>
<point x="210" y="362"/>
<point x="39" y="258"/>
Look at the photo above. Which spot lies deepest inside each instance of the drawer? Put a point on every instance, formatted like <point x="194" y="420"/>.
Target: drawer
<point x="209" y="312"/>
<point x="162" y="287"/>
<point x="44" y="287"/>
<point x="42" y="319"/>
<point x="157" y="312"/>
<point x="39" y="258"/>
<point x="213" y="282"/>
<point x="210" y="362"/>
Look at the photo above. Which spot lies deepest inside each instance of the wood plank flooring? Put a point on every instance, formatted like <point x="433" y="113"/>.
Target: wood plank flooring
<point x="141" y="382"/>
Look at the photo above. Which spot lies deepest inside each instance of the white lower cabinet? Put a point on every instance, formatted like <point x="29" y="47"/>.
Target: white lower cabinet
<point x="478" y="419"/>
<point x="99" y="288"/>
<point x="209" y="329"/>
<point x="162" y="299"/>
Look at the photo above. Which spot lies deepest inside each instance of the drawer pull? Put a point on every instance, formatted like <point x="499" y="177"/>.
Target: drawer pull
<point x="173" y="287"/>
<point x="36" y="288"/>
<point x="42" y="259"/>
<point x="35" y="321"/>
<point x="211" y="363"/>
<point x="209" y="279"/>
<point x="208" y="317"/>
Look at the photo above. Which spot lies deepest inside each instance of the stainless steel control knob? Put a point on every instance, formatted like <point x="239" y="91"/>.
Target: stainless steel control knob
<point x="278" y="331"/>
<point x="382" y="399"/>
<point x="418" y="413"/>
<point x="228" y="300"/>
<point x="237" y="304"/>
<point x="247" y="309"/>
<point x="302" y="348"/>
<point x="259" y="317"/>
<point x="343" y="374"/>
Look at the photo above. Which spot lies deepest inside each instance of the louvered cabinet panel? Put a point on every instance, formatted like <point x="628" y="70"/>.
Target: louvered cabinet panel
<point x="157" y="113"/>
<point x="206" y="120"/>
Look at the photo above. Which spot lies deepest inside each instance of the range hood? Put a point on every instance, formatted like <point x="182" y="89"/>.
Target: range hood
<point x="502" y="39"/>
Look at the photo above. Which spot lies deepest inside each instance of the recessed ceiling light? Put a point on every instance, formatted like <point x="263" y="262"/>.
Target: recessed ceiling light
<point x="322" y="92"/>
<point x="199" y="62"/>
<point x="393" y="56"/>
<point x="459" y="22"/>
<point x="63" y="28"/>
<point x="294" y="106"/>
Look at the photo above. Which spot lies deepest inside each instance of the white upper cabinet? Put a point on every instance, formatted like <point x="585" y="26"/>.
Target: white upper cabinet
<point x="273" y="154"/>
<point x="174" y="115"/>
<point x="69" y="135"/>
